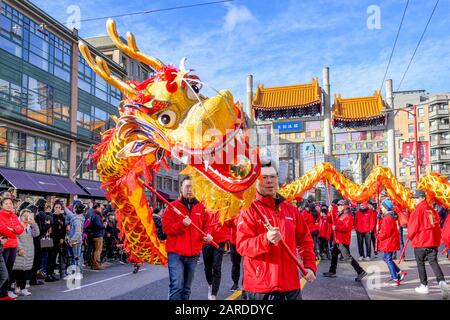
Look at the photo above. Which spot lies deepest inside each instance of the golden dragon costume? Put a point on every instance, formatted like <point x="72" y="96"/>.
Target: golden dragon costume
<point x="165" y="117"/>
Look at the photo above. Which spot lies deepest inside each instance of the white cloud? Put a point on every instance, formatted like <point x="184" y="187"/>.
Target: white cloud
<point x="237" y="15"/>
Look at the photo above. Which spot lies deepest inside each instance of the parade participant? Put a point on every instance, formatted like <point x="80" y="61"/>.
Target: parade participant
<point x="235" y="256"/>
<point x="10" y="227"/>
<point x="184" y="243"/>
<point x="389" y="241"/>
<point x="425" y="236"/>
<point x="157" y="218"/>
<point x="269" y="274"/>
<point x="324" y="234"/>
<point x="212" y="257"/>
<point x="311" y="217"/>
<point x="343" y="223"/>
<point x="364" y="223"/>
<point x="373" y="234"/>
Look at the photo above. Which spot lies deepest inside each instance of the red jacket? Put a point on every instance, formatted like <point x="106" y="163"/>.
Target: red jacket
<point x="344" y="226"/>
<point x="365" y="221"/>
<point x="313" y="225"/>
<point x="423" y="227"/>
<point x="446" y="232"/>
<point x="325" y="228"/>
<point x="8" y="221"/>
<point x="185" y="241"/>
<point x="388" y="235"/>
<point x="219" y="232"/>
<point x="232" y="224"/>
<point x="268" y="267"/>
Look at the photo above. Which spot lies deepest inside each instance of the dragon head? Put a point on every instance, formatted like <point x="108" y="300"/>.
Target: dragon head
<point x="167" y="116"/>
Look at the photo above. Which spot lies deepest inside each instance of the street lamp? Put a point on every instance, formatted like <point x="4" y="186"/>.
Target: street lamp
<point x="314" y="147"/>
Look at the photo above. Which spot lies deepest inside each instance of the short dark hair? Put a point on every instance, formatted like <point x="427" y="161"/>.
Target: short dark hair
<point x="4" y="199"/>
<point x="96" y="205"/>
<point x="185" y="178"/>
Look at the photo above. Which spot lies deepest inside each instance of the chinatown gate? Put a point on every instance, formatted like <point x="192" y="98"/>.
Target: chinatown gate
<point x="301" y="128"/>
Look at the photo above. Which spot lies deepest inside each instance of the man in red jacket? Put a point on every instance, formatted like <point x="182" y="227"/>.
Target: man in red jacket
<point x="269" y="273"/>
<point x="184" y="243"/>
<point x="365" y="222"/>
<point x="425" y="236"/>
<point x="212" y="257"/>
<point x="343" y="225"/>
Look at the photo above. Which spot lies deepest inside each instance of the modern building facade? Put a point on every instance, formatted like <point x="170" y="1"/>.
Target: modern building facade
<point x="432" y="126"/>
<point x="53" y="107"/>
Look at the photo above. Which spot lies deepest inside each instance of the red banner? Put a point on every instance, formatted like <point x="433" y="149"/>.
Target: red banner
<point x="408" y="153"/>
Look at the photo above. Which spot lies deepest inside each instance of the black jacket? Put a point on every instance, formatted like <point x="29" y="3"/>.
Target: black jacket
<point x="58" y="228"/>
<point x="159" y="228"/>
<point x="44" y="222"/>
<point x="96" y="227"/>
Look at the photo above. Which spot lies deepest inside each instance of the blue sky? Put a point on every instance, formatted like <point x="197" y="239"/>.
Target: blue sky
<point x="285" y="42"/>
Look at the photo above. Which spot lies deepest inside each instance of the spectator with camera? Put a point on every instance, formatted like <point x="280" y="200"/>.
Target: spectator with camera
<point x="37" y="260"/>
<point x="45" y="222"/>
<point x="10" y="227"/>
<point x="75" y="240"/>
<point x="59" y="235"/>
<point x="25" y="252"/>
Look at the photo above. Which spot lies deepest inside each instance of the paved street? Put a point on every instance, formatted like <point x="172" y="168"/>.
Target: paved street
<point x="117" y="282"/>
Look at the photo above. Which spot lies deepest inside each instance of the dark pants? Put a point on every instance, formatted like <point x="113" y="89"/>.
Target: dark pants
<point x="315" y="238"/>
<point x="181" y="275"/>
<point x="21" y="277"/>
<point x="364" y="239"/>
<point x="9" y="256"/>
<point x="288" y="295"/>
<point x="3" y="269"/>
<point x="236" y="264"/>
<point x="89" y="251"/>
<point x="212" y="259"/>
<point x="345" y="251"/>
<point x="323" y="247"/>
<point x="37" y="261"/>
<point x="430" y="254"/>
<point x="374" y="240"/>
<point x="49" y="259"/>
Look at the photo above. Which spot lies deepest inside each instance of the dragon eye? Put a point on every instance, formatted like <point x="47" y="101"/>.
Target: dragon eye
<point x="193" y="88"/>
<point x="167" y="118"/>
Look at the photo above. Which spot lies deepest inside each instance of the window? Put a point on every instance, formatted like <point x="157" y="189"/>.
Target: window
<point x="378" y="135"/>
<point x="412" y="170"/>
<point x="421" y="138"/>
<point x="158" y="182"/>
<point x="400" y="143"/>
<point x="410" y="116"/>
<point x="29" y="152"/>
<point x="167" y="184"/>
<point x="413" y="185"/>
<point x="61" y="111"/>
<point x="86" y="168"/>
<point x="340" y="137"/>
<point x="176" y="186"/>
<point x="402" y="172"/>
<point x="410" y="128"/>
<point x="421" y="126"/>
<point x="359" y="136"/>
<point x="420" y="112"/>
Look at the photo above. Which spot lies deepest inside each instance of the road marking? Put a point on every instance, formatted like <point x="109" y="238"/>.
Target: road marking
<point x="237" y="294"/>
<point x="101" y="281"/>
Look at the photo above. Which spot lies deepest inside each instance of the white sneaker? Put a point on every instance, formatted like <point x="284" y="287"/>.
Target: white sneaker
<point x="24" y="293"/>
<point x="209" y="292"/>
<point x="367" y="258"/>
<point x="27" y="285"/>
<point x="422" y="289"/>
<point x="78" y="276"/>
<point x="212" y="297"/>
<point x="444" y="289"/>
<point x="12" y="295"/>
<point x="360" y="258"/>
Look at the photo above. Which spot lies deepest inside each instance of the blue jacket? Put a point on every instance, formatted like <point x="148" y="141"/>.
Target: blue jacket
<point x="97" y="228"/>
<point x="76" y="229"/>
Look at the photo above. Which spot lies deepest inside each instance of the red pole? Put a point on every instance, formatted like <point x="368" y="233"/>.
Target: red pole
<point x="179" y="213"/>
<point x="416" y="145"/>
<point x="331" y="212"/>
<point x="283" y="243"/>
<point x="402" y="255"/>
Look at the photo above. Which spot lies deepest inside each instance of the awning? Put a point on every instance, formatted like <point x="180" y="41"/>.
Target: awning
<point x="92" y="187"/>
<point x="166" y="195"/>
<point x="23" y="180"/>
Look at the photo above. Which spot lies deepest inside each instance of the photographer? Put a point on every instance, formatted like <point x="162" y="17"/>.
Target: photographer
<point x="75" y="242"/>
